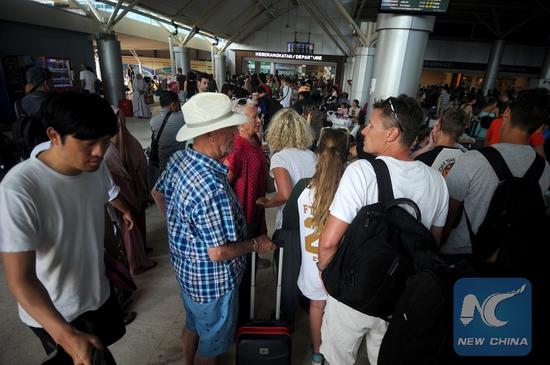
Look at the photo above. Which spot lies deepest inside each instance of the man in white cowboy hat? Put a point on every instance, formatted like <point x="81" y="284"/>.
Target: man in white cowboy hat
<point x="206" y="227"/>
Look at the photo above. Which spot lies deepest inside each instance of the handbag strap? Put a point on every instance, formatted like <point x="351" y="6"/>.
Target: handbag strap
<point x="164" y="121"/>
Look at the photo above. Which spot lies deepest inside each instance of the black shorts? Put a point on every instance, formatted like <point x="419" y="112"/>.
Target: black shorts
<point x="106" y="322"/>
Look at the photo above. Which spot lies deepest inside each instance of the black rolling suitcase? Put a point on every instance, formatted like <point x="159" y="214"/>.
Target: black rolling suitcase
<point x="264" y="342"/>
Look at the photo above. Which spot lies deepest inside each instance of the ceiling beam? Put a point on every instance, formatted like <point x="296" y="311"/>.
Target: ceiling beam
<point x="346" y="15"/>
<point x="207" y="12"/>
<point x="358" y="10"/>
<point x="160" y="18"/>
<point x="246" y="20"/>
<point x="94" y="11"/>
<point x="268" y="8"/>
<point x="178" y="13"/>
<point x="496" y="22"/>
<point x="315" y="16"/>
<point x="114" y="14"/>
<point x="85" y="9"/>
<point x="245" y="15"/>
<point x="242" y="36"/>
<point x="519" y="25"/>
<point x="482" y="21"/>
<point x="312" y="8"/>
<point x="189" y="36"/>
<point x="124" y="12"/>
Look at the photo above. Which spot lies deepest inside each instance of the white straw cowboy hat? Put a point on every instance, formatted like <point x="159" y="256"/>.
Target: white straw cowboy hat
<point x="207" y="112"/>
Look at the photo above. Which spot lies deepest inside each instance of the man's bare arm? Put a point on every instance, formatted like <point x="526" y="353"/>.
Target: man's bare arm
<point x="33" y="297"/>
<point x="330" y="238"/>
<point x="233" y="250"/>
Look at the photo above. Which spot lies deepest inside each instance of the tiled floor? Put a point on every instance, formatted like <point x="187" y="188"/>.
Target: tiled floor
<point x="154" y="336"/>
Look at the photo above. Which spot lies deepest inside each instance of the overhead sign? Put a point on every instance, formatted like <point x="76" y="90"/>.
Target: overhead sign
<point x="290" y="56"/>
<point x="414" y="6"/>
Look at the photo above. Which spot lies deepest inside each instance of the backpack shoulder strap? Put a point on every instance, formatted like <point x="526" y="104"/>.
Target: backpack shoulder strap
<point x="157" y="137"/>
<point x="537" y="168"/>
<point x="497" y="162"/>
<point x="383" y="180"/>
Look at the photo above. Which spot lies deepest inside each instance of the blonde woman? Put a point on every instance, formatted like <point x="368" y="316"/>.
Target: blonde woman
<point x="289" y="137"/>
<point x="313" y="210"/>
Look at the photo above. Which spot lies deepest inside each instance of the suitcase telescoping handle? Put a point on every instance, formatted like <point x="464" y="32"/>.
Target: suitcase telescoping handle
<point x="279" y="280"/>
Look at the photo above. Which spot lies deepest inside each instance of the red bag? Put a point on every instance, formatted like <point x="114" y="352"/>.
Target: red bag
<point x="126" y="106"/>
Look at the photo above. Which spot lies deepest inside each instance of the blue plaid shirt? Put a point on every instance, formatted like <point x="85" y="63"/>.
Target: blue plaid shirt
<point x="202" y="212"/>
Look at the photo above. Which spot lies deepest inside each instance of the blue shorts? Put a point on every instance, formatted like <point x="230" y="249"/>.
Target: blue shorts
<point x="214" y="322"/>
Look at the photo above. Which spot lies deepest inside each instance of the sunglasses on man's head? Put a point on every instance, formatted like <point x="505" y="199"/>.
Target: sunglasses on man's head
<point x="395" y="114"/>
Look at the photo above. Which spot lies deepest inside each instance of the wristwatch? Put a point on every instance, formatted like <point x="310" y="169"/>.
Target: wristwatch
<point x="255" y="245"/>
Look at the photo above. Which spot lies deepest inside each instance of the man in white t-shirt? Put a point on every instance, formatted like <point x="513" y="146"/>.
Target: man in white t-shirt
<point x="389" y="133"/>
<point x="52" y="230"/>
<point x="286" y="93"/>
<point x="87" y="79"/>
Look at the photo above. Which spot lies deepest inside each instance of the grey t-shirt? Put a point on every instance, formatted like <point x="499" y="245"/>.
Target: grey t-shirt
<point x="473" y="181"/>
<point x="167" y="143"/>
<point x="32" y="102"/>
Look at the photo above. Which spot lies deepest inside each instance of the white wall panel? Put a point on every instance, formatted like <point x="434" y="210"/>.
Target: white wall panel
<point x="518" y="55"/>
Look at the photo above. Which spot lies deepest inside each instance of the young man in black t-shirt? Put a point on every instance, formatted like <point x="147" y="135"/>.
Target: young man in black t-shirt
<point x="443" y="150"/>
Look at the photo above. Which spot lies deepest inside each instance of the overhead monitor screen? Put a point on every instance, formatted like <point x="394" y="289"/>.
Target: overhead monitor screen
<point x="300" y="47"/>
<point x="61" y="72"/>
<point x="414" y="6"/>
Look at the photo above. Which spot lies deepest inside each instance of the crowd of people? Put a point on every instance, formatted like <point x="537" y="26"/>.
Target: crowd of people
<point x="212" y="160"/>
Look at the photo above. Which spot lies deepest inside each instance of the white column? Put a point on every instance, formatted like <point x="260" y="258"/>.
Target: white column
<point x="362" y="74"/>
<point x="400" y="49"/>
<point x="492" y="66"/>
<point x="219" y="75"/>
<point x="273" y="69"/>
<point x="172" y="59"/>
<point x="110" y="60"/>
<point x="181" y="54"/>
<point x="544" y="77"/>
<point x="348" y="74"/>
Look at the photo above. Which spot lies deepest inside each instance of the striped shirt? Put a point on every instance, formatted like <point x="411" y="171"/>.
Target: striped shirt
<point x="202" y="212"/>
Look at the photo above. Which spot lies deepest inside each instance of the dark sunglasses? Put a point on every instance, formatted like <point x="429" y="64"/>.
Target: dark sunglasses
<point x="395" y="114"/>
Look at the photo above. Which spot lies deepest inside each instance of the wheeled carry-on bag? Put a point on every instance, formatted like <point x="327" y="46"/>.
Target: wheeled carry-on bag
<point x="264" y="342"/>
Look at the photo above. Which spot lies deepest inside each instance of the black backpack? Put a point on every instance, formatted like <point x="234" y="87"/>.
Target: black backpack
<point x="28" y="131"/>
<point x="382" y="247"/>
<point x="420" y="328"/>
<point x="514" y="221"/>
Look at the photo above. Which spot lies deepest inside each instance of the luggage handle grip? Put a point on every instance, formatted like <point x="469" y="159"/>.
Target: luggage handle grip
<point x="279" y="281"/>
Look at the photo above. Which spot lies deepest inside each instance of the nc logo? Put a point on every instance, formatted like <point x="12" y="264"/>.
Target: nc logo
<point x="487" y="310"/>
<point x="492" y="316"/>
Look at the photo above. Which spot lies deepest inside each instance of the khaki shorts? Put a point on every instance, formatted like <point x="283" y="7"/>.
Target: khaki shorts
<point x="343" y="330"/>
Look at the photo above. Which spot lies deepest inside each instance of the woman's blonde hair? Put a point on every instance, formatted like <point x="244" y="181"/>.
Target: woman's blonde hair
<point x="288" y="129"/>
<point x="332" y="156"/>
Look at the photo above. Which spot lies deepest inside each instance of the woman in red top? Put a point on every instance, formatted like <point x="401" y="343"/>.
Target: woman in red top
<point x="247" y="174"/>
<point x="248" y="171"/>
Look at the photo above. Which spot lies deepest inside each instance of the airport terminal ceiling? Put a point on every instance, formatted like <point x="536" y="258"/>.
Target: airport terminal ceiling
<point x="515" y="21"/>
